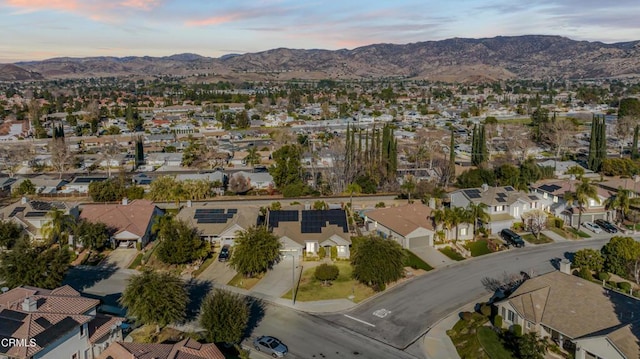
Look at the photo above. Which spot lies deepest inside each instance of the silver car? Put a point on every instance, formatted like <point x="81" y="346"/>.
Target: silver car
<point x="592" y="227"/>
<point x="270" y="345"/>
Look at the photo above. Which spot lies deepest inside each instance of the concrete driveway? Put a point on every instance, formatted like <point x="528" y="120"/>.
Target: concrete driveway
<point x="278" y="280"/>
<point x="218" y="272"/>
<point x="121" y="257"/>
<point x="432" y="256"/>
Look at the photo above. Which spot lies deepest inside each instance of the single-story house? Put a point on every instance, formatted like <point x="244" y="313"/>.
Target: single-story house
<point x="257" y="180"/>
<point x="81" y="184"/>
<point x="164" y="159"/>
<point x="305" y="231"/>
<point x="411" y="225"/>
<point x="44" y="183"/>
<point x="219" y="223"/>
<point x="131" y="222"/>
<point x="581" y="316"/>
<point x="32" y="215"/>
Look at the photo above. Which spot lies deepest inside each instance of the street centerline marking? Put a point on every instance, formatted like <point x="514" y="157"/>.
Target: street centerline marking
<point x="359" y="320"/>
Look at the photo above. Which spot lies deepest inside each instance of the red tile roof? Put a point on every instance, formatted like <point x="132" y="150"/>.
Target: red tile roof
<point x="133" y="217"/>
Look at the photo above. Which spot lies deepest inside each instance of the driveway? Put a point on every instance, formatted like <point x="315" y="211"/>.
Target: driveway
<point x="218" y="272"/>
<point x="278" y="280"/>
<point x="432" y="256"/>
<point x="121" y="257"/>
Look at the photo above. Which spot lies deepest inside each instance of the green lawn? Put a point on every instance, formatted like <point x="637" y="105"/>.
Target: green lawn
<point x="559" y="232"/>
<point x="136" y="262"/>
<point x="478" y="248"/>
<point x="492" y="345"/>
<point x="533" y="240"/>
<point x="578" y="233"/>
<point x="449" y="252"/>
<point x="413" y="261"/>
<point x="240" y="281"/>
<point x="311" y="289"/>
<point x="465" y="339"/>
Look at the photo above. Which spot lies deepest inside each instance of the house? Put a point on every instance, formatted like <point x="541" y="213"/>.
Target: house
<point x="187" y="349"/>
<point x="44" y="184"/>
<point x="58" y="323"/>
<point x="257" y="180"/>
<point x="552" y="195"/>
<point x="32" y="215"/>
<point x="505" y="205"/>
<point x="219" y="224"/>
<point x="80" y="184"/>
<point x="131" y="222"/>
<point x="164" y="159"/>
<point x="308" y="230"/>
<point x="579" y="315"/>
<point x="410" y="225"/>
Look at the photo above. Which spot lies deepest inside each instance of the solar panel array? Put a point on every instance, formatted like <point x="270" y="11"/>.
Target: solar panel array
<point x="472" y="193"/>
<point x="313" y="221"/>
<point x="275" y="217"/>
<point x="509" y="189"/>
<point x="550" y="187"/>
<point x="16" y="211"/>
<point x="214" y="215"/>
<point x="35" y="214"/>
<point x="50" y="334"/>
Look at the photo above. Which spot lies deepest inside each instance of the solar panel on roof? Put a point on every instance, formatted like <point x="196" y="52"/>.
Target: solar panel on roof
<point x="232" y="210"/>
<point x="12" y="314"/>
<point x="502" y="195"/>
<point x="16" y="211"/>
<point x="43" y="322"/>
<point x="509" y="189"/>
<point x="55" y="331"/>
<point x="35" y="214"/>
<point x="501" y="200"/>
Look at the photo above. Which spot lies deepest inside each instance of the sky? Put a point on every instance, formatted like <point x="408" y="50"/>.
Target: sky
<point x="41" y="29"/>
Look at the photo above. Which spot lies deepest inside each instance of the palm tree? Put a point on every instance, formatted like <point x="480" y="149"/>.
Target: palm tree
<point x="351" y="189"/>
<point x="457" y="216"/>
<point x="584" y="191"/>
<point x="409" y="186"/>
<point x="478" y="213"/>
<point x="59" y="226"/>
<point x="441" y="219"/>
<point x="253" y="157"/>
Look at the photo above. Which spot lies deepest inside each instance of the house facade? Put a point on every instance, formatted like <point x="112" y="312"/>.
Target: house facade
<point x="33" y="216"/>
<point x="305" y="231"/>
<point x="410" y="225"/>
<point x="57" y="323"/>
<point x="580" y="316"/>
<point x="219" y="224"/>
<point x="505" y="205"/>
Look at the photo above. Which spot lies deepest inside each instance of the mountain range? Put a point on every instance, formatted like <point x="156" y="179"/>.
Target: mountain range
<point x="451" y="60"/>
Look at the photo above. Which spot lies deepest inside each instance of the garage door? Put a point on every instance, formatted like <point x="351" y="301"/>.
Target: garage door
<point x="420" y="242"/>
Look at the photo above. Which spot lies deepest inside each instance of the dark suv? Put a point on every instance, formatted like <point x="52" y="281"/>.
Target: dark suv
<point x="224" y="253"/>
<point x="512" y="238"/>
<point x="606" y="226"/>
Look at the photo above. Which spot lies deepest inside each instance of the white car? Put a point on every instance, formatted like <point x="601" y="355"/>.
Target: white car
<point x="592" y="227"/>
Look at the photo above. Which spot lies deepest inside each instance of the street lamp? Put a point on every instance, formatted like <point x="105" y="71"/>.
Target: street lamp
<point x="292" y="253"/>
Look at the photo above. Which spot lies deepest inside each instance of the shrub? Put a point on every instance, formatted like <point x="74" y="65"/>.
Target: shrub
<point x="517" y="226"/>
<point x="517" y="330"/>
<point x="485" y="309"/>
<point x="624" y="286"/>
<point x="380" y="205"/>
<point x="497" y="321"/>
<point x="585" y="273"/>
<point x="466" y="316"/>
<point x="334" y="252"/>
<point x="612" y="284"/>
<point x="327" y="272"/>
<point x="604" y="276"/>
<point x="322" y="252"/>
<point x="559" y="222"/>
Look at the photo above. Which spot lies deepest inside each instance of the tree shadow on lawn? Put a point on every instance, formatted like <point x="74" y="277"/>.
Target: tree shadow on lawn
<point x="197" y="291"/>
<point x="83" y="277"/>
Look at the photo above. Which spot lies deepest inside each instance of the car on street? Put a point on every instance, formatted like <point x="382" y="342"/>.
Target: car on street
<point x="592" y="227"/>
<point x="606" y="226"/>
<point x="224" y="253"/>
<point x="270" y="345"/>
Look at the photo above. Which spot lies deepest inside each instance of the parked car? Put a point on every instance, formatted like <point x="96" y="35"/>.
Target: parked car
<point x="592" y="227"/>
<point x="224" y="253"/>
<point x="511" y="238"/>
<point x="270" y="345"/>
<point x="606" y="225"/>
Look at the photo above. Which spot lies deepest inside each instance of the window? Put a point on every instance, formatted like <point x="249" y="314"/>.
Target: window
<point x="592" y="202"/>
<point x="529" y="325"/>
<point x="499" y="208"/>
<point x="74" y="356"/>
<point x="555" y="199"/>
<point x="504" y="312"/>
<point x="534" y="204"/>
<point x="463" y="231"/>
<point x="511" y="316"/>
<point x="545" y="195"/>
<point x="82" y="330"/>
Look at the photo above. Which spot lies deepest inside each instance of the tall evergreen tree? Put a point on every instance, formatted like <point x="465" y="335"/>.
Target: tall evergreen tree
<point x="634" y="148"/>
<point x="597" y="144"/>
<point x="452" y="158"/>
<point x="139" y="160"/>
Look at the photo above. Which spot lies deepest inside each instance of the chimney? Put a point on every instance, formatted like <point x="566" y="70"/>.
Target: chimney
<point x="189" y="204"/>
<point x="24" y="200"/>
<point x="125" y="201"/>
<point x="485" y="187"/>
<point x="29" y="304"/>
<point x="565" y="266"/>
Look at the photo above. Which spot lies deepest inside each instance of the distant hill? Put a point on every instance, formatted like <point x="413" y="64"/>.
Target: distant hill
<point x="457" y="59"/>
<point x="10" y="72"/>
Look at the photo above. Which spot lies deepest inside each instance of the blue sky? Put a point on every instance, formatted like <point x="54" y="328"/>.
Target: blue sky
<point x="39" y="29"/>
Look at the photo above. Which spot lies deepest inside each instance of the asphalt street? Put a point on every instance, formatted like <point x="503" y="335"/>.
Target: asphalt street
<point x="402" y="315"/>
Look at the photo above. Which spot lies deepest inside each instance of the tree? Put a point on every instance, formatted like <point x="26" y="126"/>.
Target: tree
<point x="180" y="243"/>
<point x="584" y="191"/>
<point x="478" y="211"/>
<point x="224" y="316"/>
<point x="409" y="186"/>
<point x="10" y="233"/>
<point x="61" y="156"/>
<point x="164" y="189"/>
<point x="621" y="203"/>
<point x="256" y="250"/>
<point x="588" y="258"/>
<point x="478" y="146"/>
<point x="452" y="160"/>
<point x="155" y="298"/>
<point x="530" y="346"/>
<point x="109" y="152"/>
<point x="377" y="261"/>
<point x="34" y="266"/>
<point x="93" y="236"/>
<point x="535" y="220"/>
<point x="26" y="187"/>
<point x="351" y="189"/>
<point x="622" y="257"/>
<point x="326" y="273"/>
<point x="457" y="216"/>
<point x="576" y="170"/>
<point x="253" y="157"/>
<point x="597" y="144"/>
<point x="58" y="226"/>
<point x="239" y="184"/>
<point x="12" y="157"/>
<point x="110" y="190"/>
<point x="286" y="169"/>
<point x="557" y="133"/>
